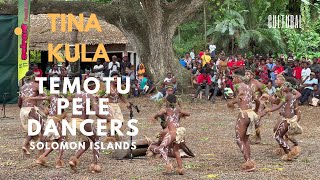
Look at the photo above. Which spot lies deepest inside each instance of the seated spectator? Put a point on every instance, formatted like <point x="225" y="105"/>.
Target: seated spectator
<point x="308" y="87"/>
<point x="183" y="63"/>
<point x="135" y="89"/>
<point x="204" y="82"/>
<point x="314" y="99"/>
<point x="170" y="80"/>
<point x="297" y="70"/>
<point x="217" y="87"/>
<point x="195" y="73"/>
<point x="305" y="73"/>
<point x="271" y="89"/>
<point x="228" y="92"/>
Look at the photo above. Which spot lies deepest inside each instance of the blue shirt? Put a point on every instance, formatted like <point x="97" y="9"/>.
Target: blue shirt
<point x="270" y="67"/>
<point x="313" y="81"/>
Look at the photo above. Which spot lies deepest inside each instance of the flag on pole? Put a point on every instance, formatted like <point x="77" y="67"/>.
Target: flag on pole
<point x="23" y="37"/>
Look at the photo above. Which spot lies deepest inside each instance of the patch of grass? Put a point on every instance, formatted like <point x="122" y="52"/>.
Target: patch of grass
<point x="191" y="166"/>
<point x="305" y="160"/>
<point x="204" y="139"/>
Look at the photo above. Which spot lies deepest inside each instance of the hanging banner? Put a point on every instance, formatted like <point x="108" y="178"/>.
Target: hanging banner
<point x="23" y="37"/>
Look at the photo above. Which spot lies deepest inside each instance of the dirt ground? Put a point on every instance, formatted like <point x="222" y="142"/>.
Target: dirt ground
<point x="210" y="136"/>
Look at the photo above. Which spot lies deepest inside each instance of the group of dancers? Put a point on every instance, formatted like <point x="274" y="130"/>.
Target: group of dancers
<point x="172" y="136"/>
<point x="249" y="90"/>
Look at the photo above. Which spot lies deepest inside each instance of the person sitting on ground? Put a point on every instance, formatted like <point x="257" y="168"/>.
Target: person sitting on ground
<point x="228" y="93"/>
<point x="271" y="89"/>
<point x="308" y="87"/>
<point x="314" y="99"/>
<point x="170" y="80"/>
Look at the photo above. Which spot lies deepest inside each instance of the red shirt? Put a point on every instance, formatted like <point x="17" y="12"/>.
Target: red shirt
<point x="240" y="63"/>
<point x="278" y="69"/>
<point x="297" y="72"/>
<point x="202" y="78"/>
<point x="231" y="64"/>
<point x="37" y="72"/>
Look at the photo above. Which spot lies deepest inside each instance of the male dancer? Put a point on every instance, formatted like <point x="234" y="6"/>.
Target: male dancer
<point x="29" y="109"/>
<point x="115" y="110"/>
<point x="74" y="160"/>
<point x="281" y="96"/>
<point x="174" y="136"/>
<point x="288" y="126"/>
<point x="247" y="117"/>
<point x="53" y="115"/>
<point x="259" y="89"/>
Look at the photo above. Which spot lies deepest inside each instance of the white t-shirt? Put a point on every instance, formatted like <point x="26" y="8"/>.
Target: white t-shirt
<point x="55" y="73"/>
<point x="192" y="55"/>
<point x="305" y="73"/>
<point x="98" y="74"/>
<point x="113" y="67"/>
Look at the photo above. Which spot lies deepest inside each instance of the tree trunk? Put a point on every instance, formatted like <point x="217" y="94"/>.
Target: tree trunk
<point x="148" y="24"/>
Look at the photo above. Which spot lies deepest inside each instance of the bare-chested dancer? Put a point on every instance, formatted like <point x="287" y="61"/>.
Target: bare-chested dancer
<point x="247" y="117"/>
<point x="29" y="109"/>
<point x="175" y="134"/>
<point x="288" y="126"/>
<point x="116" y="112"/>
<point x="259" y="89"/>
<point x="53" y="99"/>
<point x="74" y="160"/>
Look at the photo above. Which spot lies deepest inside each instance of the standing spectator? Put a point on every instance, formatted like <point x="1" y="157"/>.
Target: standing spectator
<point x="308" y="87"/>
<point x="114" y="65"/>
<point x="192" y="54"/>
<point x="212" y="48"/>
<point x="206" y="58"/>
<point x="297" y="70"/>
<point x="55" y="72"/>
<point x="240" y="62"/>
<point x="37" y="71"/>
<point x="125" y="65"/>
<point x="271" y="89"/>
<point x="98" y="69"/>
<point x="106" y="70"/>
<point x="188" y="61"/>
<point x="141" y="71"/>
<point x="271" y="68"/>
<point x="263" y="72"/>
<point x="223" y="65"/>
<point x="305" y="73"/>
<point x="232" y="64"/>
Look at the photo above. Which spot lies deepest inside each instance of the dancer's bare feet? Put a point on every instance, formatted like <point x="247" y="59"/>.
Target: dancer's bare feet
<point x="168" y="169"/>
<point x="41" y="160"/>
<point x="95" y="168"/>
<point x="59" y="163"/>
<point x="248" y="166"/>
<point x="73" y="163"/>
<point x="25" y="151"/>
<point x="180" y="171"/>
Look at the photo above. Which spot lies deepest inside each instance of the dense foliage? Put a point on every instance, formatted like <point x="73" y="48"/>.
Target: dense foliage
<point x="242" y="26"/>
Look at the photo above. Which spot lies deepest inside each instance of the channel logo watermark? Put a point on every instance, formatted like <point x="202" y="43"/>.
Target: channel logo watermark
<point x="284" y="21"/>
